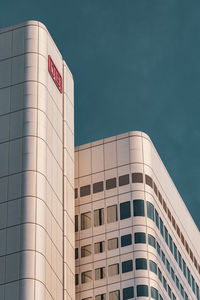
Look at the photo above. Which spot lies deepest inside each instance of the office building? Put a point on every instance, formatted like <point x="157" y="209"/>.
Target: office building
<point x="36" y="167"/>
<point x="135" y="238"/>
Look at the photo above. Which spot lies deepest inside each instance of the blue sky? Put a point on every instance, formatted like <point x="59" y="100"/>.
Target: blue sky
<point x="136" y="66"/>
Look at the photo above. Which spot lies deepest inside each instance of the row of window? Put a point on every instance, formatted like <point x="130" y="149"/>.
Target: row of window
<point x="137" y="178"/>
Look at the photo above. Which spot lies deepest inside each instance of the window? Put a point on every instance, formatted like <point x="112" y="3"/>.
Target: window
<point x="85" y="220"/>
<point x="76" y="279"/>
<point x="142" y="291"/>
<point x="125" y="211"/>
<point x="197" y="289"/>
<point x="112" y="214"/>
<point x="177" y="282"/>
<point x="150" y="211"/>
<point x="182" y="290"/>
<point x="155" y="188"/>
<point x="184" y="268"/>
<point x="166" y="236"/>
<point x="186" y="296"/>
<point x="100" y="297"/>
<point x="193" y="284"/>
<point x="158" y="248"/>
<point x="76" y="223"/>
<point x="76" y="253"/>
<point x="126" y="240"/>
<point x="111" y="183"/>
<point x="128" y="293"/>
<point x="99" y="217"/>
<point x="169" y="292"/>
<point x="179" y="260"/>
<point x="140" y="238"/>
<point x="113" y="244"/>
<point x="141" y="264"/>
<point x="164" y="283"/>
<point x="154" y="293"/>
<point x="175" y="252"/>
<point x="138" y="208"/>
<point x="188" y="276"/>
<point x="76" y="193"/>
<point x="86" y="250"/>
<point x="161" y="227"/>
<point x="170" y="244"/>
<point x="163" y="257"/>
<point x="99" y="247"/>
<point x="98" y="187"/>
<point x="153" y="266"/>
<point x="137" y="177"/>
<point x="161" y="298"/>
<point x="168" y="266"/>
<point x="124" y="179"/>
<point x="149" y="180"/>
<point x="86" y="276"/>
<point x="157" y="218"/>
<point x="99" y="273"/>
<point x="115" y="295"/>
<point x="159" y="275"/>
<point x="172" y="274"/>
<point x="151" y="240"/>
<point x="173" y="297"/>
<point x="113" y="270"/>
<point x="127" y="266"/>
<point x="85" y="190"/>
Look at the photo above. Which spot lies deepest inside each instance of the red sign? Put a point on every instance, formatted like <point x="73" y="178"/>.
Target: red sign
<point x="55" y="74"/>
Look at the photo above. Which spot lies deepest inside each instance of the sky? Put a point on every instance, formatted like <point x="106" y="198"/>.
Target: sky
<point x="136" y="66"/>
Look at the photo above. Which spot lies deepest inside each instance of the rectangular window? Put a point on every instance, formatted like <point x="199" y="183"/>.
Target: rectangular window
<point x="113" y="270"/>
<point x="150" y="211"/>
<point x="112" y="214"/>
<point x="166" y="236"/>
<point x="86" y="250"/>
<point x="76" y="279"/>
<point x="99" y="273"/>
<point x="188" y="276"/>
<point x="142" y="290"/>
<point x="182" y="290"/>
<point x="100" y="297"/>
<point x="76" y="193"/>
<point x="85" y="220"/>
<point x="179" y="260"/>
<point x="127" y="266"/>
<point x="99" y="247"/>
<point x="177" y="282"/>
<point x="85" y="190"/>
<point x="193" y="284"/>
<point x="138" y="208"/>
<point x="184" y="268"/>
<point x="173" y="297"/>
<point x="175" y="252"/>
<point x="99" y="217"/>
<point x="172" y="274"/>
<point x="186" y="296"/>
<point x="123" y="180"/>
<point x="197" y="289"/>
<point x="161" y="227"/>
<point x="141" y="264"/>
<point x="155" y="189"/>
<point x="140" y="238"/>
<point x="149" y="180"/>
<point x="76" y="223"/>
<point x="170" y="244"/>
<point x="168" y="266"/>
<point x="158" y="248"/>
<point x="163" y="257"/>
<point x="126" y="240"/>
<point x="113" y="244"/>
<point x="111" y="183"/>
<point x="153" y="266"/>
<point x="115" y="295"/>
<point x="128" y="293"/>
<point x="169" y="292"/>
<point x="159" y="275"/>
<point x="137" y="178"/>
<point x="76" y="253"/>
<point x="157" y="218"/>
<point x="151" y="240"/>
<point x="164" y="283"/>
<point x="154" y="293"/>
<point x="125" y="210"/>
<point x="98" y="187"/>
<point x="86" y="276"/>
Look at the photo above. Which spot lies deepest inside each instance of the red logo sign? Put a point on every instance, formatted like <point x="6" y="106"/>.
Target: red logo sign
<point x="55" y="74"/>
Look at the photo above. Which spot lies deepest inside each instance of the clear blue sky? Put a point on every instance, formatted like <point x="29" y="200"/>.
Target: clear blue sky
<point x="136" y="66"/>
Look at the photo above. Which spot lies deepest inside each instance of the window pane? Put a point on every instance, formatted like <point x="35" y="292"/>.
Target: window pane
<point x="142" y="290"/>
<point x="112" y="214"/>
<point x="153" y="266"/>
<point x="124" y="179"/>
<point x="179" y="260"/>
<point x="99" y="247"/>
<point x="114" y="295"/>
<point x="137" y="177"/>
<point x="157" y="218"/>
<point x="150" y="211"/>
<point x="161" y="227"/>
<point x="128" y="293"/>
<point x="99" y="273"/>
<point x="76" y="253"/>
<point x="126" y="240"/>
<point x="166" y="236"/>
<point x="159" y="275"/>
<point x="154" y="293"/>
<point x="149" y="180"/>
<point x="170" y="244"/>
<point x="85" y="220"/>
<point x="164" y="283"/>
<point x="172" y="274"/>
<point x="141" y="264"/>
<point x="86" y="276"/>
<point x="125" y="211"/>
<point x="168" y="266"/>
<point x="76" y="279"/>
<point x="151" y="240"/>
<point x="76" y="193"/>
<point x="175" y="252"/>
<point x="99" y="217"/>
<point x="100" y="297"/>
<point x="127" y="266"/>
<point x="113" y="244"/>
<point x="85" y="190"/>
<point x="163" y="257"/>
<point x="85" y="250"/>
<point x="140" y="238"/>
<point x="113" y="270"/>
<point x="111" y="183"/>
<point x="97" y="187"/>
<point x="138" y="208"/>
<point x="158" y="248"/>
<point x="76" y="223"/>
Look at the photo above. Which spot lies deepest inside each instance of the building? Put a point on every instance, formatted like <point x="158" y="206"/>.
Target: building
<point x="36" y="167"/>
<point x="134" y="235"/>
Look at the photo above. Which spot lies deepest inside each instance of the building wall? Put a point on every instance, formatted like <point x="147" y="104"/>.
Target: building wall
<point x="128" y="155"/>
<point x="36" y="166"/>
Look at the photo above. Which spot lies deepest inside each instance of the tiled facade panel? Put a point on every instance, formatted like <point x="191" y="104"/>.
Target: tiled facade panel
<point x="33" y="161"/>
<point x="127" y="235"/>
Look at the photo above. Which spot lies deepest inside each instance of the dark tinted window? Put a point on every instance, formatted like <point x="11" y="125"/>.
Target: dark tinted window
<point x="138" y="208"/>
<point x="157" y="218"/>
<point x="111" y="183"/>
<point x="127" y="266"/>
<point x="128" y="293"/>
<point x="153" y="266"/>
<point x="124" y="179"/>
<point x="166" y="235"/>
<point x="142" y="290"/>
<point x="137" y="177"/>
<point x="125" y="211"/>
<point x="85" y="190"/>
<point x="76" y="193"/>
<point x="76" y="279"/>
<point x="126" y="240"/>
<point x="154" y="293"/>
<point x="76" y="223"/>
<point x="98" y="187"/>
<point x="141" y="264"/>
<point x="76" y="253"/>
<point x="151" y="240"/>
<point x="149" y="180"/>
<point x="161" y="227"/>
<point x="150" y="210"/>
<point x="140" y="238"/>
